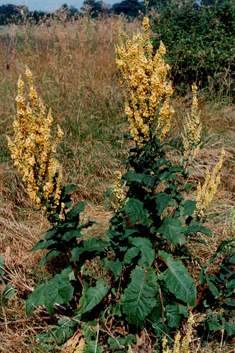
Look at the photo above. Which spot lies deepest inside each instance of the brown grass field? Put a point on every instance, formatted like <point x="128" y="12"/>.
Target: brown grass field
<point x="75" y="74"/>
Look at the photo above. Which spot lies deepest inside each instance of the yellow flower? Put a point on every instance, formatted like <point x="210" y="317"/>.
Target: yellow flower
<point x="143" y="78"/>
<point x="33" y="151"/>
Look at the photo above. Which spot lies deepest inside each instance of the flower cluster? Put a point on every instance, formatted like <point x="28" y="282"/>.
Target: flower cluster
<point x="33" y="151"/>
<point x="119" y="193"/>
<point x="206" y="192"/>
<point x="183" y="346"/>
<point x="147" y="92"/>
<point x="192" y="128"/>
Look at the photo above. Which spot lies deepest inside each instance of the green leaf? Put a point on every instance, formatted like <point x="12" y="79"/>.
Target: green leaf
<point x="80" y="207"/>
<point x="172" y="315"/>
<point x="43" y="244"/>
<point x="162" y="200"/>
<point x="230" y="302"/>
<point x="50" y="233"/>
<point x="73" y="233"/>
<point x="49" y="255"/>
<point x="183" y="310"/>
<point x="35" y="299"/>
<point x="189" y="207"/>
<point x="144" y="246"/>
<point x="2" y="264"/>
<point x="8" y="292"/>
<point x="93" y="347"/>
<point x="138" y="298"/>
<point x="172" y="230"/>
<point x="70" y="187"/>
<point x="90" y="244"/>
<point x="213" y="324"/>
<point x="136" y="211"/>
<point x="178" y="280"/>
<point x="116" y="268"/>
<point x="212" y="286"/>
<point x="59" y="290"/>
<point x="94" y="295"/>
<point x="133" y="176"/>
<point x="197" y="228"/>
<point x="229" y="328"/>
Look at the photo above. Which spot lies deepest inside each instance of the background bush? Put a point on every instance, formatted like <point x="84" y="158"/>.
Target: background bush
<point x="200" y="44"/>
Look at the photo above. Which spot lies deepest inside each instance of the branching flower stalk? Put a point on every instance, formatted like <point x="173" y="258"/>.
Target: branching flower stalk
<point x="33" y="151"/>
<point x="143" y="78"/>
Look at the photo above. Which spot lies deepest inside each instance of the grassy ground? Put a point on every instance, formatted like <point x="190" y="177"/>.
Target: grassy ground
<point x="75" y="74"/>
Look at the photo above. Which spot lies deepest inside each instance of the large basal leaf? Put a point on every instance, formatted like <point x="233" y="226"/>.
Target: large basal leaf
<point x="172" y="230"/>
<point x="136" y="211"/>
<point x="172" y="315"/>
<point x="178" y="280"/>
<point x="73" y="233"/>
<point x="197" y="228"/>
<point x="230" y="328"/>
<point x="94" y="295"/>
<point x="138" y="298"/>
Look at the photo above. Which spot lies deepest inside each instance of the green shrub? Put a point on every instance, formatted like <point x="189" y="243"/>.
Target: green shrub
<point x="200" y="44"/>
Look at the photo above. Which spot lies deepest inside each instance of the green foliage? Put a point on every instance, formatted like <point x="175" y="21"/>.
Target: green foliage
<point x="200" y="44"/>
<point x="219" y="298"/>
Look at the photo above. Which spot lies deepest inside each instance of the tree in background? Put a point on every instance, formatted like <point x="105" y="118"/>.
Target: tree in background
<point x="95" y="8"/>
<point x="129" y="8"/>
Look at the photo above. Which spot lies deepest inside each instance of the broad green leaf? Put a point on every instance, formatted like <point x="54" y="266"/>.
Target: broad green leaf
<point x="183" y="310"/>
<point x="172" y="230"/>
<point x="138" y="298"/>
<point x="94" y="295"/>
<point x="178" y="280"/>
<point x="90" y="244"/>
<point x="80" y="207"/>
<point x="73" y="233"/>
<point x="189" y="207"/>
<point x="136" y="211"/>
<point x="213" y="324"/>
<point x="35" y="299"/>
<point x="229" y="328"/>
<point x="43" y="244"/>
<point x="145" y="246"/>
<point x="162" y="200"/>
<point x="230" y="302"/>
<point x="50" y="233"/>
<point x="130" y="254"/>
<point x="133" y="176"/>
<point x="59" y="290"/>
<point x="172" y="315"/>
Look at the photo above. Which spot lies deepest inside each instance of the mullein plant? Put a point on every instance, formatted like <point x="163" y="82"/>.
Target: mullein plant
<point x="142" y="277"/>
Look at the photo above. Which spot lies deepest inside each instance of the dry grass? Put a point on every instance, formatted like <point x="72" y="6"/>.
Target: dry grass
<point x="74" y="69"/>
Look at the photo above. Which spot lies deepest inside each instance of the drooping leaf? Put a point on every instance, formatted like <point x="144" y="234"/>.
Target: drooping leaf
<point x="212" y="286"/>
<point x="94" y="295"/>
<point x="8" y="292"/>
<point x="70" y="187"/>
<point x="2" y="265"/>
<point x="162" y="200"/>
<point x="197" y="228"/>
<point x="138" y="298"/>
<point x="49" y="255"/>
<point x="172" y="230"/>
<point x="80" y="207"/>
<point x="178" y="280"/>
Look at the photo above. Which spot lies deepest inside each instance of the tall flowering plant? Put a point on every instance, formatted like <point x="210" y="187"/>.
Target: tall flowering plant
<point x="141" y="275"/>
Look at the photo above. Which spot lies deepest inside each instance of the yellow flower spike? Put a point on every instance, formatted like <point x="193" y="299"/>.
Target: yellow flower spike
<point x="192" y="128"/>
<point x="33" y="151"/>
<point x="143" y="79"/>
<point x="206" y="192"/>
